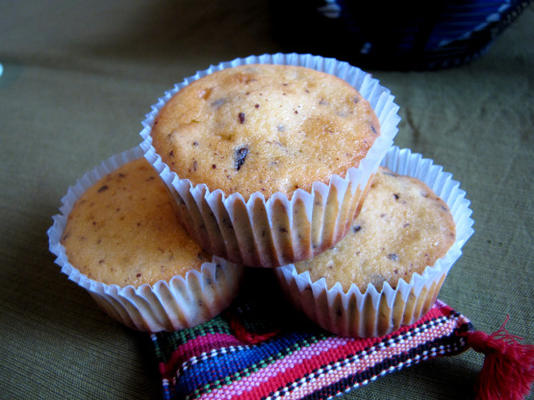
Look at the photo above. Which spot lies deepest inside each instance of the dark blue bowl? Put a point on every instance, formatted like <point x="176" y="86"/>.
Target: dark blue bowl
<point x="393" y="35"/>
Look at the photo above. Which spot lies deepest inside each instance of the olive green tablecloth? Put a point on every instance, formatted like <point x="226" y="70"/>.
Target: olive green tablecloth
<point x="78" y="79"/>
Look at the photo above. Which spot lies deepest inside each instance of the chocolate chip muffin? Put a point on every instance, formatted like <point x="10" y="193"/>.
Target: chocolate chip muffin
<point x="268" y="157"/>
<point x="388" y="270"/>
<point x="119" y="238"/>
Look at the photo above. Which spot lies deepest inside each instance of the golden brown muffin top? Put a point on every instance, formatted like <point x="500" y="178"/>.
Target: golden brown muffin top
<point x="123" y="230"/>
<point x="402" y="228"/>
<point x="264" y="128"/>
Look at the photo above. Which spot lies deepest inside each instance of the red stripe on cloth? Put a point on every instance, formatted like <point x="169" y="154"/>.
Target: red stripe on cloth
<point x="308" y="359"/>
<point x="195" y="347"/>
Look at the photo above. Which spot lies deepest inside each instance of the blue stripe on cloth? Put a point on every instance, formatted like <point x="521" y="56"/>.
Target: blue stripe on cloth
<point x="206" y="373"/>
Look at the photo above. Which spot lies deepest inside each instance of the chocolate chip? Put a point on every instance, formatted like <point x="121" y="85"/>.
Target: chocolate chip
<point x="214" y="166"/>
<point x="138" y="275"/>
<point x="393" y="257"/>
<point x="103" y="188"/>
<point x="195" y="143"/>
<point x="356" y="228"/>
<point x="239" y="156"/>
<point x="396" y="195"/>
<point x="241" y="117"/>
<point x="256" y="106"/>
<point x="171" y="153"/>
<point x="195" y="165"/>
<point x="373" y="129"/>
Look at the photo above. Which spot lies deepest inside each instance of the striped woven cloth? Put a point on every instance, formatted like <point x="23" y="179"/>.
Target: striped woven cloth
<point x="267" y="351"/>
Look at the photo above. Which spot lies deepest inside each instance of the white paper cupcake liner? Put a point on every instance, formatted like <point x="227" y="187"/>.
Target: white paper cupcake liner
<point x="278" y="230"/>
<point x="181" y="302"/>
<point x="376" y="313"/>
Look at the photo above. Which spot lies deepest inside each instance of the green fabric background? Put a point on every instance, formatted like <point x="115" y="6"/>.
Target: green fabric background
<point x="78" y="79"/>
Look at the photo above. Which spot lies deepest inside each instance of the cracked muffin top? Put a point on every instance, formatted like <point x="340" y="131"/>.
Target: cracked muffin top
<point x="402" y="228"/>
<point x="123" y="230"/>
<point x="264" y="128"/>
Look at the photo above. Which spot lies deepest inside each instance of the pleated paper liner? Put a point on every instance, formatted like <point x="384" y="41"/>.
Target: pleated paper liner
<point x="181" y="302"/>
<point x="365" y="312"/>
<point x="274" y="231"/>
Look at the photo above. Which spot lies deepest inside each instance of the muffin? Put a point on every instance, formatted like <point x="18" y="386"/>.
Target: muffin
<point x="268" y="161"/>
<point x="388" y="270"/>
<point x="119" y="237"/>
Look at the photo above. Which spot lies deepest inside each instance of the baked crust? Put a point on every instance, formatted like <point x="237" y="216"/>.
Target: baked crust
<point x="264" y="128"/>
<point x="124" y="230"/>
<point x="403" y="227"/>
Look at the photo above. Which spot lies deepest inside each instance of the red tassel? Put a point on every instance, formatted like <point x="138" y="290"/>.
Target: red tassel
<point x="508" y="369"/>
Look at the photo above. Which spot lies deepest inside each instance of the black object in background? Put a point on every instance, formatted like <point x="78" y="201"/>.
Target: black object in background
<point x="419" y="35"/>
